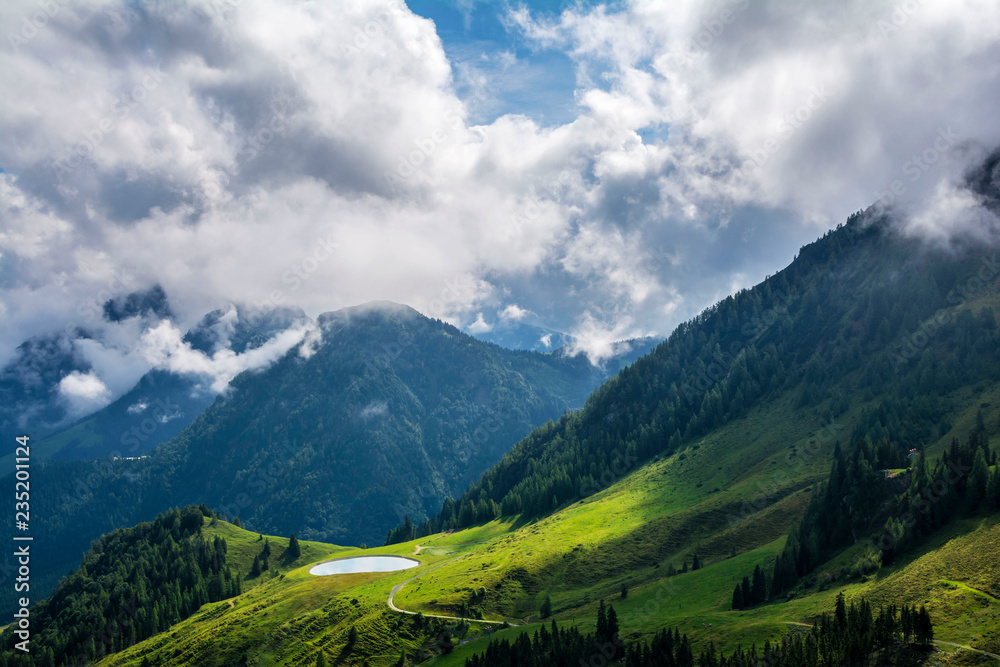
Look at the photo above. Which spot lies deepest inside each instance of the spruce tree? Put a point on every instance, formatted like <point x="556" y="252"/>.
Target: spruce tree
<point x="738" y="598"/>
<point x="293" y="551"/>
<point x="978" y="480"/>
<point x="546" y="609"/>
<point x="840" y="612"/>
<point x="993" y="489"/>
<point x="612" y="628"/>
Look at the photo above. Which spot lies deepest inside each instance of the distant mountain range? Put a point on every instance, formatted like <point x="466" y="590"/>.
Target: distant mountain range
<point x="163" y="402"/>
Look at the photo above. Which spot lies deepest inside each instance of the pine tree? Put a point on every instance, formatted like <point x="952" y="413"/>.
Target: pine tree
<point x="923" y="630"/>
<point x="993" y="490"/>
<point x="840" y="612"/>
<point x="321" y="659"/>
<point x="255" y="569"/>
<point x="546" y="609"/>
<point x="978" y="480"/>
<point x="738" y="598"/>
<point x="758" y="587"/>
<point x="602" y="620"/>
<point x="612" y="629"/>
<point x="293" y="551"/>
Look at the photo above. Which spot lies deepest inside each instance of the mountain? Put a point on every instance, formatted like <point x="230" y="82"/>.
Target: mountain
<point x="162" y="402"/>
<point x="28" y="383"/>
<point x="847" y="320"/>
<point x="384" y="414"/>
<point x="517" y="335"/>
<point x="30" y="398"/>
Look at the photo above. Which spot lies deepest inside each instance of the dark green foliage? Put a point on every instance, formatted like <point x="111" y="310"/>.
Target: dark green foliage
<point x="321" y="659"/>
<point x="294" y="550"/>
<point x="546" y="609"/>
<point x="854" y="635"/>
<point x="553" y="645"/>
<point x="993" y="490"/>
<point x="134" y="583"/>
<point x="958" y="483"/>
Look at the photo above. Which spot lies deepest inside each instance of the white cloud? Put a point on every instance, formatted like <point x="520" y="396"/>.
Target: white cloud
<point x="374" y="409"/>
<point x="164" y="348"/>
<point x="479" y="325"/>
<point x="319" y="155"/>
<point x="600" y="340"/>
<point x="83" y="393"/>
<point x="514" y="312"/>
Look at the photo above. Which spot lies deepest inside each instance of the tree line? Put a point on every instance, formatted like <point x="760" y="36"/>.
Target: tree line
<point x="852" y="635"/>
<point x="858" y="490"/>
<point x="131" y="585"/>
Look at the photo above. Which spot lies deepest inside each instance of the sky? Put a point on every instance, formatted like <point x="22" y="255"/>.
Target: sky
<point x="606" y="170"/>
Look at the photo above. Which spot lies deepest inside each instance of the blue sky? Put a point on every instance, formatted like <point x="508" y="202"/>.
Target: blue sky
<point x="525" y="79"/>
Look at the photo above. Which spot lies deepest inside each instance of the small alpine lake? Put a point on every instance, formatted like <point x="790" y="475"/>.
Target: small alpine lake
<point x="360" y="564"/>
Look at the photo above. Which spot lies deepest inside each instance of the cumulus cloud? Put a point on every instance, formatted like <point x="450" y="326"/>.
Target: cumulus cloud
<point x="513" y="312"/>
<point x="323" y="155"/>
<point x="479" y="325"/>
<point x="164" y="348"/>
<point x="83" y="393"/>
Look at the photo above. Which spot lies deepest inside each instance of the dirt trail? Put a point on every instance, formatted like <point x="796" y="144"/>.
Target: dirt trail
<point x="969" y="648"/>
<point x="397" y="587"/>
<point x="418" y="548"/>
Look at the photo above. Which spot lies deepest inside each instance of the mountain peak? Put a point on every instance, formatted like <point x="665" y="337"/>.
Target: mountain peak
<point x="366" y="310"/>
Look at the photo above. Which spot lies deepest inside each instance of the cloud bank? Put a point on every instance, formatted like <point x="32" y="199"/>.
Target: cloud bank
<point x="320" y="155"/>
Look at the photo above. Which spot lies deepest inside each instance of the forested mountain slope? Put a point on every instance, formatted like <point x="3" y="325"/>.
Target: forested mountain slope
<point x="862" y="313"/>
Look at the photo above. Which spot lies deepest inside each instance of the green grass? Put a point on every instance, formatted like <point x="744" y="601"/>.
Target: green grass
<point x="737" y="491"/>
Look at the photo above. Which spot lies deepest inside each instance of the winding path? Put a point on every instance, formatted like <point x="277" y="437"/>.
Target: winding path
<point x="397" y="587"/>
<point x="969" y="648"/>
<point x="943" y="643"/>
